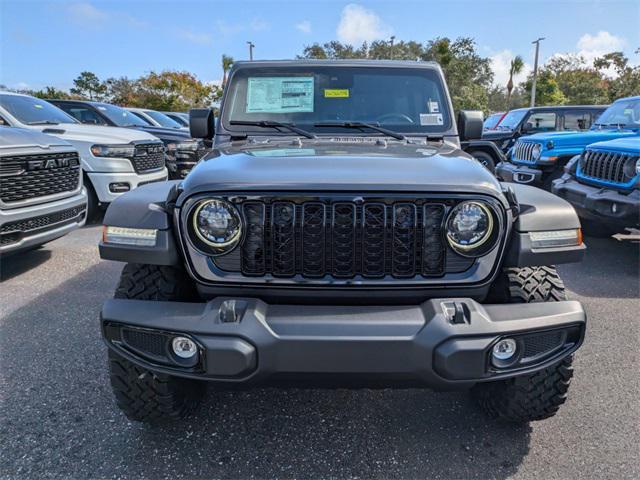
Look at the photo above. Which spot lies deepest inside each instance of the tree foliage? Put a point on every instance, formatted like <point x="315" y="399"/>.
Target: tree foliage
<point x="88" y="85"/>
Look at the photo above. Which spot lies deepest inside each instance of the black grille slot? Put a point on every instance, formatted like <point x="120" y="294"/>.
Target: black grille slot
<point x="33" y="176"/>
<point x="153" y="344"/>
<point x="148" y="157"/>
<point x="606" y="166"/>
<point x="343" y="239"/>
<point x="543" y="343"/>
<point x="283" y="238"/>
<point x="12" y="232"/>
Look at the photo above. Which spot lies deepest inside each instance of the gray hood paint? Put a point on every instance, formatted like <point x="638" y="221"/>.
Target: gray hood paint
<point x="316" y="166"/>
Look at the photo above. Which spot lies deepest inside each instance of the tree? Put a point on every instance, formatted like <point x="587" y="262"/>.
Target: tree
<point x="172" y="90"/>
<point x="88" y="85"/>
<point x="580" y="83"/>
<point x="517" y="64"/>
<point x="547" y="90"/>
<point x="123" y="91"/>
<point x="227" y="62"/>
<point x="626" y="83"/>
<point x="50" y="93"/>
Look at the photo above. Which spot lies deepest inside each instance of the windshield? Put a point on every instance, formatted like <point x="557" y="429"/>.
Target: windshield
<point x="624" y="113"/>
<point x="120" y="116"/>
<point x="162" y="119"/>
<point x="400" y="99"/>
<point x="492" y="121"/>
<point x="33" y="111"/>
<point x="512" y="119"/>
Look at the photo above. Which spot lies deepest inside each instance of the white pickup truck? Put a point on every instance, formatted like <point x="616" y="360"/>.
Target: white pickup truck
<point x="41" y="193"/>
<point x="114" y="160"/>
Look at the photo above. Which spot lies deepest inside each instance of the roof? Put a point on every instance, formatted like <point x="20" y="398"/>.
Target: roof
<point x="356" y="62"/>
<point x="557" y="107"/>
<point x="637" y="97"/>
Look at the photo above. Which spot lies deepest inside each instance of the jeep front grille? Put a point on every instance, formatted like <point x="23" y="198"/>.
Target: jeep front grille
<point x="148" y="157"/>
<point x="523" y="152"/>
<point x="605" y="166"/>
<point x="32" y="176"/>
<point x="342" y="239"/>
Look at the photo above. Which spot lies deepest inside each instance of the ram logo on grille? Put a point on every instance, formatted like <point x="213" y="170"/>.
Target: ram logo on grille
<point x="51" y="163"/>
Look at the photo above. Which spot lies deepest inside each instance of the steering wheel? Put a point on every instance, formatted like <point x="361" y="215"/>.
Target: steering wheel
<point x="402" y="116"/>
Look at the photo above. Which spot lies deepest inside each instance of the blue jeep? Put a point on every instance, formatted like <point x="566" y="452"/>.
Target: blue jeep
<point x="539" y="159"/>
<point x="603" y="185"/>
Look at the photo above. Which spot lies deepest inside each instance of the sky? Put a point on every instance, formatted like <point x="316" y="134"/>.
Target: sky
<point x="48" y="43"/>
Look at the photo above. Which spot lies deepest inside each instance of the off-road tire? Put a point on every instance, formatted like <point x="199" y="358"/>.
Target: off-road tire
<point x="142" y="395"/>
<point x="485" y="159"/>
<point x="539" y="395"/>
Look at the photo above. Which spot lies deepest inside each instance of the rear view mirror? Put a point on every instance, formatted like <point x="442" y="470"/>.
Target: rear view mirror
<point x="470" y="123"/>
<point x="201" y="124"/>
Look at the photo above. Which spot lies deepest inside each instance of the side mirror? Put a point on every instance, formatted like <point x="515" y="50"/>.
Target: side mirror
<point x="527" y="127"/>
<point x="470" y="124"/>
<point x="201" y="123"/>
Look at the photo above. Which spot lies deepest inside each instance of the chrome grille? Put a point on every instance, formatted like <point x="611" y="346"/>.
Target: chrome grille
<point x="148" y="157"/>
<point x="343" y="239"/>
<point x="523" y="152"/>
<point x="32" y="176"/>
<point x="605" y="166"/>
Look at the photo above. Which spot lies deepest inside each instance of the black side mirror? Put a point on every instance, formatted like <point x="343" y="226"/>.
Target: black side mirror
<point x="470" y="123"/>
<point x="201" y="124"/>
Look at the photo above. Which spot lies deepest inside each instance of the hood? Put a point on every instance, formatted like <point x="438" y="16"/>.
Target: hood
<point x="494" y="135"/>
<point x="326" y="166"/>
<point x="627" y="144"/>
<point x="95" y="134"/>
<point x="165" y="134"/>
<point x="574" y="138"/>
<point x="11" y="137"/>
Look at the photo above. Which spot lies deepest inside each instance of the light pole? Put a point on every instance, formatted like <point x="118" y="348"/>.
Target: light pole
<point x="535" y="72"/>
<point x="251" y="45"/>
<point x="393" y="37"/>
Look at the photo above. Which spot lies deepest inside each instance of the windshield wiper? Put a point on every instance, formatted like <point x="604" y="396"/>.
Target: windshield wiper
<point x="271" y="124"/>
<point x="44" y="122"/>
<point x="360" y="125"/>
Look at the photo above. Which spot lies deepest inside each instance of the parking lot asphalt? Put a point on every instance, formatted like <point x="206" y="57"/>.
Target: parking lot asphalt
<point x="58" y="418"/>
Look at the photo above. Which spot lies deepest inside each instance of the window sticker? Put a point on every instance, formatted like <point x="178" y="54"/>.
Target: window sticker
<point x="336" y="93"/>
<point x="280" y="94"/>
<point x="431" y="119"/>
<point x="434" y="107"/>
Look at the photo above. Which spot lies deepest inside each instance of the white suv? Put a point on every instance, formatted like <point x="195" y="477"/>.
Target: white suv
<point x="115" y="160"/>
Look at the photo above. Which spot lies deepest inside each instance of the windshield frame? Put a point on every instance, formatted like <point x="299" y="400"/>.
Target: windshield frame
<point x="287" y="69"/>
<point x="64" y="117"/>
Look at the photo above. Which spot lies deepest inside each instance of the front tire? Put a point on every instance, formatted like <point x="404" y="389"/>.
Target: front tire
<point x="485" y="159"/>
<point x="145" y="396"/>
<point x="539" y="395"/>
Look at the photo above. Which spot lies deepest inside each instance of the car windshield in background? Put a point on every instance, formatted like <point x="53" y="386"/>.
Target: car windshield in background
<point x="33" y="111"/>
<point x="625" y="113"/>
<point x="512" y="119"/>
<point x="492" y="120"/>
<point x="399" y="99"/>
<point x="162" y="119"/>
<point x="120" y="116"/>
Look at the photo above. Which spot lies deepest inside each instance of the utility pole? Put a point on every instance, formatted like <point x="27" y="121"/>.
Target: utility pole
<point x="535" y="72"/>
<point x="251" y="45"/>
<point x="393" y="37"/>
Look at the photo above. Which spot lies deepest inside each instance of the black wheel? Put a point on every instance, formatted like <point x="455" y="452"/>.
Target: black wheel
<point x="142" y="395"/>
<point x="595" y="229"/>
<point x="485" y="159"/>
<point x="539" y="395"/>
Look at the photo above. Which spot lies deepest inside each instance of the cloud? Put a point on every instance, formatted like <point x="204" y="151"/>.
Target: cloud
<point x="304" y="26"/>
<point x="258" y="25"/>
<point x="89" y="16"/>
<point x="501" y="63"/>
<point x="199" y="38"/>
<point x="593" y="46"/>
<point x="357" y="25"/>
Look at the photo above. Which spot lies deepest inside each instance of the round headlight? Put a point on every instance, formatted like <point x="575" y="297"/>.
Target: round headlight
<point x="632" y="168"/>
<point x="537" y="150"/>
<point x="638" y="167"/>
<point x="218" y="224"/>
<point x="469" y="227"/>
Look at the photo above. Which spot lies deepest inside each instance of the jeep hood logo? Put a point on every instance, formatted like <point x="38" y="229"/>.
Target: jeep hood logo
<point x="51" y="163"/>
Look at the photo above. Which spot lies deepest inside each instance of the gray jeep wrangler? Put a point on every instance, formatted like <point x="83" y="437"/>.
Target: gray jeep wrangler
<point x="336" y="235"/>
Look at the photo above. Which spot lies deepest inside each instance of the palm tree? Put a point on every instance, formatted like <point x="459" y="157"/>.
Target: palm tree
<point x="227" y="61"/>
<point x="517" y="64"/>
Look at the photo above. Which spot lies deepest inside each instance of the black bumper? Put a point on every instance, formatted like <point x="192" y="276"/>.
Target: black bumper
<point x="602" y="204"/>
<point x="442" y="343"/>
<point x="509" y="172"/>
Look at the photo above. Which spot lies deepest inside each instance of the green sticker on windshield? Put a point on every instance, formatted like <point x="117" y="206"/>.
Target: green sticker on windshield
<point x="280" y="94"/>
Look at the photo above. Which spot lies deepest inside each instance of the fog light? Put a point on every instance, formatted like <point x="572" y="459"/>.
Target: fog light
<point x="504" y="350"/>
<point x="119" y="187"/>
<point x="184" y="347"/>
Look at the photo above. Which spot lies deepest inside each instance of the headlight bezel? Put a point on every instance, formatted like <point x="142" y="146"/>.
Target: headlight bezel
<point x="487" y="242"/>
<point x="536" y="152"/>
<point x="205" y="245"/>
<point x="125" y="150"/>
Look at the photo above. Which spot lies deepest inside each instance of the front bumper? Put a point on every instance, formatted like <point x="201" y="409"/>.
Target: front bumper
<point x="34" y="225"/>
<point x="101" y="182"/>
<point x="509" y="172"/>
<point x="599" y="203"/>
<point x="442" y="343"/>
